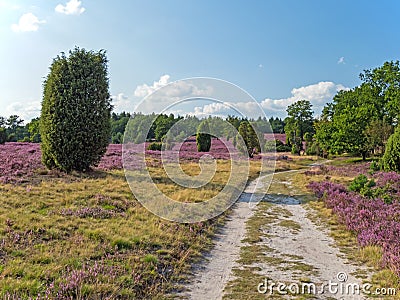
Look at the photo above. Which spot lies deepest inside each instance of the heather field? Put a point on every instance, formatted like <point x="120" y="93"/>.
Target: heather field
<point x="19" y="162"/>
<point x="84" y="235"/>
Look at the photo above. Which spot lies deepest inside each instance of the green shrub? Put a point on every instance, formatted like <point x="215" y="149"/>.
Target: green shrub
<point x="203" y="139"/>
<point x="117" y="138"/>
<point x="75" y="116"/>
<point x="375" y="166"/>
<point x="155" y="146"/>
<point x="121" y="244"/>
<point x="270" y="146"/>
<point x="391" y="158"/>
<point x="11" y="137"/>
<point x="3" y="135"/>
<point x="312" y="148"/>
<point x="283" y="148"/>
<point x="276" y="145"/>
<point x="362" y="185"/>
<point x="358" y="183"/>
<point x="295" y="149"/>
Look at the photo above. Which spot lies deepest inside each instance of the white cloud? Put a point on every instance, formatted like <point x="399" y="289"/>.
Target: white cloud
<point x="249" y="109"/>
<point x="162" y="93"/>
<point x="122" y="103"/>
<point x="341" y="60"/>
<point x="145" y="90"/>
<point x="27" y="22"/>
<point x="177" y="89"/>
<point x="26" y="111"/>
<point x="318" y="94"/>
<point x="73" y="7"/>
<point x="7" y="5"/>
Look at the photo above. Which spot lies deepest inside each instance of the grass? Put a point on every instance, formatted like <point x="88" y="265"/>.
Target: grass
<point x="290" y="224"/>
<point x="87" y="237"/>
<point x="206" y="192"/>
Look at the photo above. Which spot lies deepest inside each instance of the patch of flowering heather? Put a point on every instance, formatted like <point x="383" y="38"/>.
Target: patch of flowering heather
<point x="187" y="151"/>
<point x="374" y="221"/>
<point x="181" y="152"/>
<point x="74" y="280"/>
<point x="19" y="161"/>
<point x="350" y="170"/>
<point x="112" y="159"/>
<point x="120" y="205"/>
<point x="218" y="150"/>
<point x="90" y="212"/>
<point x="275" y="136"/>
<point x="389" y="183"/>
<point x="326" y="188"/>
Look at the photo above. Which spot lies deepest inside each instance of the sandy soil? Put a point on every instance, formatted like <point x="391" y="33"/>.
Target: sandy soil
<point x="210" y="278"/>
<point x="308" y="245"/>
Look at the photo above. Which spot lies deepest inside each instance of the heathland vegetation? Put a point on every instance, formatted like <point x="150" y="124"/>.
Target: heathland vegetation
<point x="71" y="228"/>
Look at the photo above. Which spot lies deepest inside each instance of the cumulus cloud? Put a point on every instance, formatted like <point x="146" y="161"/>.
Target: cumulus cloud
<point x="245" y="109"/>
<point x="341" y="60"/>
<point x="27" y="22"/>
<point x="145" y="90"/>
<point x="176" y="90"/>
<point x="163" y="94"/>
<point x="213" y="109"/>
<point x="122" y="103"/>
<point x="73" y="7"/>
<point x="25" y="110"/>
<point x="318" y="94"/>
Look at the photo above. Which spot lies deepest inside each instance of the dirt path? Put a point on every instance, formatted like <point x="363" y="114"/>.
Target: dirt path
<point x="210" y="278"/>
<point x="302" y="252"/>
<point x="293" y="250"/>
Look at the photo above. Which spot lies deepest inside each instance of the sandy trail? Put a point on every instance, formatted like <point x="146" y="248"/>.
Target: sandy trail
<point x="308" y="245"/>
<point x="210" y="278"/>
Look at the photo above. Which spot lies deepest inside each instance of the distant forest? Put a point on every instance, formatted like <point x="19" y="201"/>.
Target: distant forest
<point x="13" y="130"/>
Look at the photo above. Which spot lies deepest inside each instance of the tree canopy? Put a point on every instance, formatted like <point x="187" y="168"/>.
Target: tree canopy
<point x="76" y="110"/>
<point x="299" y="122"/>
<point x="360" y="120"/>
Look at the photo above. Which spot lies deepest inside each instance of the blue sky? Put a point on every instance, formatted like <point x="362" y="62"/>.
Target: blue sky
<point x="278" y="51"/>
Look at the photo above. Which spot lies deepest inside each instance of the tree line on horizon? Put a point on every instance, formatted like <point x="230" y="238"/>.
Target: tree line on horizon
<point x="77" y="123"/>
<point x="13" y="130"/>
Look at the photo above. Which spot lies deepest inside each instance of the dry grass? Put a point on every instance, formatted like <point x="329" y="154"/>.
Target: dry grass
<point x="62" y="227"/>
